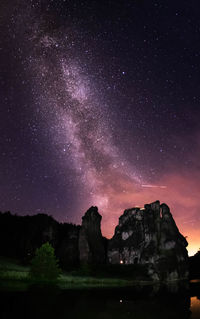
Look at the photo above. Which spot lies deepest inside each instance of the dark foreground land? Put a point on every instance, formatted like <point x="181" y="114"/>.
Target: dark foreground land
<point x="83" y="296"/>
<point x="15" y="276"/>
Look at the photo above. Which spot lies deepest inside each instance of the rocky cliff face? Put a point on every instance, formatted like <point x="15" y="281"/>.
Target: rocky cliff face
<point x="91" y="242"/>
<point x="150" y="236"/>
<point x="147" y="236"/>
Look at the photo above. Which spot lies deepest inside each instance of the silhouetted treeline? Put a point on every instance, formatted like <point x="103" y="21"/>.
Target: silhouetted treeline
<point x="21" y="235"/>
<point x="194" y="266"/>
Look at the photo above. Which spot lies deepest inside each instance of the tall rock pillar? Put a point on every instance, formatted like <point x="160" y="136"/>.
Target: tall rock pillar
<point x="91" y="242"/>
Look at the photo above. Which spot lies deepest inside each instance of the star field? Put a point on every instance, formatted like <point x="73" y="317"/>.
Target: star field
<point x="100" y="106"/>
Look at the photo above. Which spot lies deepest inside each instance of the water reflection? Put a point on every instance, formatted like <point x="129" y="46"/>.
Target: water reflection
<point x="195" y="307"/>
<point x="141" y="303"/>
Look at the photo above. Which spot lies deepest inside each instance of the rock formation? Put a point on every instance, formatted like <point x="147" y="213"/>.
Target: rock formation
<point x="145" y="236"/>
<point x="194" y="266"/>
<point x="91" y="242"/>
<point x="150" y="237"/>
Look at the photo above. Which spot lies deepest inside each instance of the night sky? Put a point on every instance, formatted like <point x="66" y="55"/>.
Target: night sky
<point x="100" y="105"/>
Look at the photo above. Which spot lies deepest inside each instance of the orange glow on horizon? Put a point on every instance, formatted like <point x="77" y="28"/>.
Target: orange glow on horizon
<point x="181" y="194"/>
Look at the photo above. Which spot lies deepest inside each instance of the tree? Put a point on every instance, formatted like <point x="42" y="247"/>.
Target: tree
<point x="44" y="266"/>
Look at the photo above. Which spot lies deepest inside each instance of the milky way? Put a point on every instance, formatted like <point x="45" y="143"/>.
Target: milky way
<point x="100" y="108"/>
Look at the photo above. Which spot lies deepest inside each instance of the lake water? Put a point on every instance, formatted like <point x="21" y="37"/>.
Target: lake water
<point x="141" y="303"/>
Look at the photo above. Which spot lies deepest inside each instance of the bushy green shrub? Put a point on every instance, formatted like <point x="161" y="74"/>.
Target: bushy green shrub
<point x="44" y="266"/>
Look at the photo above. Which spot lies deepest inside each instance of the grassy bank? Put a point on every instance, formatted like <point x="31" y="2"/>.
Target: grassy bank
<point x="16" y="276"/>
